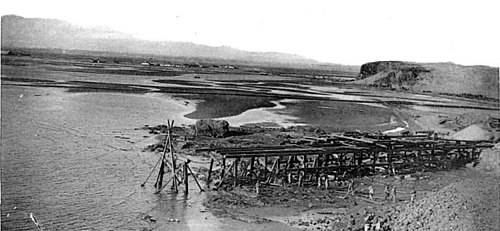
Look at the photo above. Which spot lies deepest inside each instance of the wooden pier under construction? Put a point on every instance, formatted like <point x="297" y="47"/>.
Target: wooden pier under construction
<point x="338" y="157"/>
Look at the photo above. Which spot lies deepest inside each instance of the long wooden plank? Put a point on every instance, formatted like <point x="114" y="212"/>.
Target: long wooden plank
<point x="358" y="140"/>
<point x="246" y="148"/>
<point x="251" y="151"/>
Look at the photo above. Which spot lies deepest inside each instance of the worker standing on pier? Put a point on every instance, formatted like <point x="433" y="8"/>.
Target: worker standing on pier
<point x="394" y="199"/>
<point x="386" y="192"/>
<point x="413" y="195"/>
<point x="319" y="181"/>
<point x="370" y="192"/>
<point x="301" y="175"/>
<point x="350" y="188"/>
<point x="257" y="187"/>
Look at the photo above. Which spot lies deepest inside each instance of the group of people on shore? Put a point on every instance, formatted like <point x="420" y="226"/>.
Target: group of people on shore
<point x="371" y="221"/>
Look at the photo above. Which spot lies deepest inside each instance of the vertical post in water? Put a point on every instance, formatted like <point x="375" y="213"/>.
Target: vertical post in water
<point x="392" y="170"/>
<point x="359" y="162"/>
<point x="186" y="182"/>
<point x="252" y="162"/>
<point x="159" y="179"/>
<point x="305" y="169"/>
<point x="265" y="166"/>
<point x="172" y="158"/>
<point x="236" y="171"/>
<point x="374" y="161"/>
<point x="210" y="169"/>
<point x="223" y="171"/>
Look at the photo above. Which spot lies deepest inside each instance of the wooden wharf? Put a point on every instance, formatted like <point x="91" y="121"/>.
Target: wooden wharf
<point x="341" y="156"/>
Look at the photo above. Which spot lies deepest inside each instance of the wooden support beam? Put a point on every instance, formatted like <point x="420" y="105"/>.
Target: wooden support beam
<point x="165" y="185"/>
<point x="225" y="175"/>
<point x="210" y="169"/>
<point x="272" y="172"/>
<point x="375" y="155"/>
<point x="235" y="168"/>
<point x="256" y="151"/>
<point x="265" y="162"/>
<point x="159" y="179"/>
<point x="186" y="181"/>
<point x="245" y="149"/>
<point x="223" y="171"/>
<point x="195" y="179"/>
<point x="359" y="140"/>
<point x="169" y="132"/>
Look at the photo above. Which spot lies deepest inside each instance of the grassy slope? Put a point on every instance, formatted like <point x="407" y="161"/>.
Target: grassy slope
<point x="447" y="78"/>
<point x="457" y="79"/>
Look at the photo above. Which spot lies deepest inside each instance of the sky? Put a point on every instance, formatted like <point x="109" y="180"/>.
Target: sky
<point x="345" y="32"/>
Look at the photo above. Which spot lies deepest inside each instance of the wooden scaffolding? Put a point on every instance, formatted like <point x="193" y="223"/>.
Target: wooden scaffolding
<point x="340" y="157"/>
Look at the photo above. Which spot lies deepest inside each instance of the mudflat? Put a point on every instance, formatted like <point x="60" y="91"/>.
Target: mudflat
<point x="83" y="121"/>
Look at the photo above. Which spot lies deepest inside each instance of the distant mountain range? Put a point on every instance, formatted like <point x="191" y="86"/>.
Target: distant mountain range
<point x="52" y="33"/>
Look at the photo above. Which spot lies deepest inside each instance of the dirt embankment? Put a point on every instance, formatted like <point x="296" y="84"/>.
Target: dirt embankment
<point x="471" y="204"/>
<point x="467" y="204"/>
<point x="480" y="82"/>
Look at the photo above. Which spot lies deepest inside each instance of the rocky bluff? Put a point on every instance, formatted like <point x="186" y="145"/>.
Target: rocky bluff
<point x="393" y="74"/>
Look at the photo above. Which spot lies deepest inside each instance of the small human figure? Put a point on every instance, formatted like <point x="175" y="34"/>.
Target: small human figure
<point x="350" y="188"/>
<point x="319" y="182"/>
<point x="393" y="192"/>
<point x="370" y="192"/>
<point x="327" y="182"/>
<point x="393" y="169"/>
<point x="413" y="195"/>
<point x="257" y="187"/>
<point x="386" y="192"/>
<point x="300" y="179"/>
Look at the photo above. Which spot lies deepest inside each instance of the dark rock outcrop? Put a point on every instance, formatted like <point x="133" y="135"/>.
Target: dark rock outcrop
<point x="210" y="127"/>
<point x="369" y="69"/>
<point x="393" y="74"/>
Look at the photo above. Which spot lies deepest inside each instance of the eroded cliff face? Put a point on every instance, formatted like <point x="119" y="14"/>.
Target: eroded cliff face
<point x="392" y="74"/>
<point x="440" y="78"/>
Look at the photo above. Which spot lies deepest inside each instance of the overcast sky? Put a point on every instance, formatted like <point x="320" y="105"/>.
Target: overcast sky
<point x="346" y="32"/>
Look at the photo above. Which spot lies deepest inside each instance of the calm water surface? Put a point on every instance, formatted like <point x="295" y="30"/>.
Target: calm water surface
<point x="75" y="162"/>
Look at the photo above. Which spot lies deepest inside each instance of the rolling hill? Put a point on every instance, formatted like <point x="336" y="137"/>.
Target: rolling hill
<point x="52" y="33"/>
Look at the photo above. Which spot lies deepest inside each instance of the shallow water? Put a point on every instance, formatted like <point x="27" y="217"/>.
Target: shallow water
<point x="74" y="159"/>
<point x="75" y="162"/>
